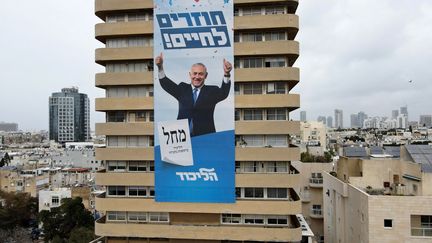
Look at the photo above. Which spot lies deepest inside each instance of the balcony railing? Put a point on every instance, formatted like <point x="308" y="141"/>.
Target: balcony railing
<point x="316" y="213"/>
<point x="316" y="181"/>
<point x="425" y="232"/>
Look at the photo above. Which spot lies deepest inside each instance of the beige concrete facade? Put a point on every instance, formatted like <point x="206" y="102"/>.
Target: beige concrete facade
<point x="13" y="181"/>
<point x="374" y="200"/>
<point x="194" y="222"/>
<point x="311" y="194"/>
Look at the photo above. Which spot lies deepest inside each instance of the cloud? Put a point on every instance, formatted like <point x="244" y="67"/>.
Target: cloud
<point x="360" y="55"/>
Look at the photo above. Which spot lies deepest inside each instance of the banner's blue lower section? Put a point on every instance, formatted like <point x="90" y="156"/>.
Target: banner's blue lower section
<point x="211" y="179"/>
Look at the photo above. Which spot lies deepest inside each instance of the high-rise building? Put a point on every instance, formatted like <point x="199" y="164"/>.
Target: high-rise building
<point x="338" y="118"/>
<point x="69" y="116"/>
<point x="425" y="120"/>
<point x="395" y="114"/>
<point x="361" y="118"/>
<point x="354" y="121"/>
<point x="322" y="119"/>
<point x="404" y="110"/>
<point x="329" y="121"/>
<point x="303" y="116"/>
<point x="8" y="127"/>
<point x="266" y="204"/>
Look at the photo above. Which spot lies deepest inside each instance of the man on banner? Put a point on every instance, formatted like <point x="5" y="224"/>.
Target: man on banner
<point x="196" y="100"/>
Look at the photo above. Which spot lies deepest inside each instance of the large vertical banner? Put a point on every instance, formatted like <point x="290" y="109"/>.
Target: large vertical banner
<point x="194" y="101"/>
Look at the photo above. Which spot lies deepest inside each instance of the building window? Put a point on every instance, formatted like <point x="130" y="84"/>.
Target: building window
<point x="277" y="220"/>
<point x="137" y="191"/>
<point x="426" y="221"/>
<point x="116" y="190"/>
<point x="277" y="193"/>
<point x="252" y="114"/>
<point x="158" y="217"/>
<point x="253" y="88"/>
<point x="276" y="114"/>
<point x="231" y="218"/>
<point x="316" y="209"/>
<point x="116" y="166"/>
<point x="253" y="219"/>
<point x="253" y="140"/>
<point x="388" y="223"/>
<point x="237" y="115"/>
<point x="55" y="201"/>
<point x="137" y="166"/>
<point x="280" y="166"/>
<point x="275" y="36"/>
<point x="276" y="88"/>
<point x="249" y="166"/>
<point x="116" y="216"/>
<point x="253" y="62"/>
<point x="137" y="217"/>
<point x="254" y="192"/>
<point x="277" y="140"/>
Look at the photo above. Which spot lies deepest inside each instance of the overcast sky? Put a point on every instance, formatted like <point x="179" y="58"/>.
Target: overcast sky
<point x="356" y="55"/>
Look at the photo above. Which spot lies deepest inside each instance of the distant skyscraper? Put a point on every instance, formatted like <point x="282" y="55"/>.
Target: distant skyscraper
<point x="302" y="116"/>
<point x="338" y="118"/>
<point x="404" y="110"/>
<point x="355" y="121"/>
<point x="322" y="119"/>
<point x="395" y="114"/>
<point x="329" y="121"/>
<point x="361" y="118"/>
<point x="8" y="127"/>
<point x="69" y="116"/>
<point x="425" y="120"/>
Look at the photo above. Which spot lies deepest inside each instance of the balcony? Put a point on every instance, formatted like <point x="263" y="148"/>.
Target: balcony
<point x="122" y="104"/>
<point x="123" y="128"/>
<point x="267" y="154"/>
<point x="288" y="21"/>
<point x="125" y="153"/>
<point x="124" y="179"/>
<point x="104" y="6"/>
<point x="129" y="78"/>
<point x="242" y="206"/>
<point x="267" y="127"/>
<point x="267" y="48"/>
<point x="283" y="180"/>
<point x="316" y="182"/>
<point x="185" y="232"/>
<point x="316" y="213"/>
<point x="291" y="74"/>
<point x="103" y="55"/>
<point x="290" y="101"/>
<point x="106" y="30"/>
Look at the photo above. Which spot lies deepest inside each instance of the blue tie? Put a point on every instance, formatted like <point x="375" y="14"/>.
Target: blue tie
<point x="195" y="95"/>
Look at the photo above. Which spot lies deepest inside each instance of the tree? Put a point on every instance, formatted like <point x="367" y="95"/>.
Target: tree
<point x="81" y="234"/>
<point x="69" y="216"/>
<point x="5" y="160"/>
<point x="18" y="210"/>
<point x="17" y="234"/>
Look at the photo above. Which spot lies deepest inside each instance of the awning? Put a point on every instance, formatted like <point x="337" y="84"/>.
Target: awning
<point x="410" y="177"/>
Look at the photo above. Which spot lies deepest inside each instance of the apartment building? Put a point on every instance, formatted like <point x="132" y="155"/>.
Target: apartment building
<point x="266" y="204"/>
<point x="380" y="199"/>
<point x="311" y="194"/>
<point x="13" y="179"/>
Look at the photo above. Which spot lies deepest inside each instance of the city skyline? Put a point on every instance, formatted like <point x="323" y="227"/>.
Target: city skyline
<point x="344" y="64"/>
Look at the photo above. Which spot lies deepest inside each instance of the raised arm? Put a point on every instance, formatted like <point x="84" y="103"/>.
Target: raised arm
<point x="167" y="84"/>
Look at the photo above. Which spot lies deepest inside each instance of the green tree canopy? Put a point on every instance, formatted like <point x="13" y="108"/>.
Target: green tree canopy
<point x="70" y="216"/>
<point x="18" y="210"/>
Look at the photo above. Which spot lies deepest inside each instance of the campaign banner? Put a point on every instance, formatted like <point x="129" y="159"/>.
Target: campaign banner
<point x="194" y="101"/>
